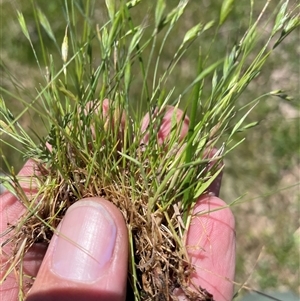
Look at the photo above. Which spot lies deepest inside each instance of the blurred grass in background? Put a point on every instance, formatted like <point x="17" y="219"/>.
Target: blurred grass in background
<point x="265" y="168"/>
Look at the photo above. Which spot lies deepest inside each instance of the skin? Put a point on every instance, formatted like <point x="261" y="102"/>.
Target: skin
<point x="102" y="256"/>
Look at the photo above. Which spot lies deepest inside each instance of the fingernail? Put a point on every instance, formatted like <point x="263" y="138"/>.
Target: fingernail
<point x="85" y="242"/>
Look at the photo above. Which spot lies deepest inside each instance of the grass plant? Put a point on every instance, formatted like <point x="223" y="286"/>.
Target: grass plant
<point x="99" y="143"/>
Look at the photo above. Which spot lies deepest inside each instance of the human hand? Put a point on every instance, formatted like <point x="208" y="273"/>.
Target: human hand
<point x="88" y="256"/>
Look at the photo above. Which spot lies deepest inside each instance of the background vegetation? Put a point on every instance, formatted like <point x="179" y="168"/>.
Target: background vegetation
<point x="265" y="168"/>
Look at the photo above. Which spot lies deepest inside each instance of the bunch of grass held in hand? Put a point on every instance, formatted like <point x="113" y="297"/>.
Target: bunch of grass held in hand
<point x="115" y="129"/>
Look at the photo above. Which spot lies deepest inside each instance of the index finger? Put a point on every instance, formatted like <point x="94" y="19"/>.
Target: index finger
<point x="11" y="210"/>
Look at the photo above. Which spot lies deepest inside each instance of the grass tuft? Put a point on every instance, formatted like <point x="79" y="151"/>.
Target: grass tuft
<point x="102" y="143"/>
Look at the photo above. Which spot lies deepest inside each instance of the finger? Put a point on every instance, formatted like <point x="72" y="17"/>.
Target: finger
<point x="173" y="120"/>
<point x="10" y="288"/>
<point x="110" y="113"/>
<point x="113" y="118"/>
<point x="181" y="125"/>
<point x="211" y="246"/>
<point x="11" y="210"/>
<point x="87" y="258"/>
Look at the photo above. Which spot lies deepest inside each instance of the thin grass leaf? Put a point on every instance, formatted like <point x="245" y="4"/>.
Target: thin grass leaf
<point x="116" y="26"/>
<point x="239" y="123"/>
<point x="202" y="187"/>
<point x="248" y="41"/>
<point x="203" y="74"/>
<point x="248" y="126"/>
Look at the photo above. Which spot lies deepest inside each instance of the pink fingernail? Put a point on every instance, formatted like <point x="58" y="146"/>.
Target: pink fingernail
<point x="85" y="243"/>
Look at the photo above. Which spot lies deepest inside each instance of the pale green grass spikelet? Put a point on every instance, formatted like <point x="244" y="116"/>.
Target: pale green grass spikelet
<point x="159" y="11"/>
<point x="64" y="50"/>
<point x="23" y="25"/>
<point x="226" y="8"/>
<point x="45" y="23"/>
<point x="65" y="47"/>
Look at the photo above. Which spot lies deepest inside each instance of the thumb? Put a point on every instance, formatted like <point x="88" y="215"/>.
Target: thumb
<point x="87" y="257"/>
